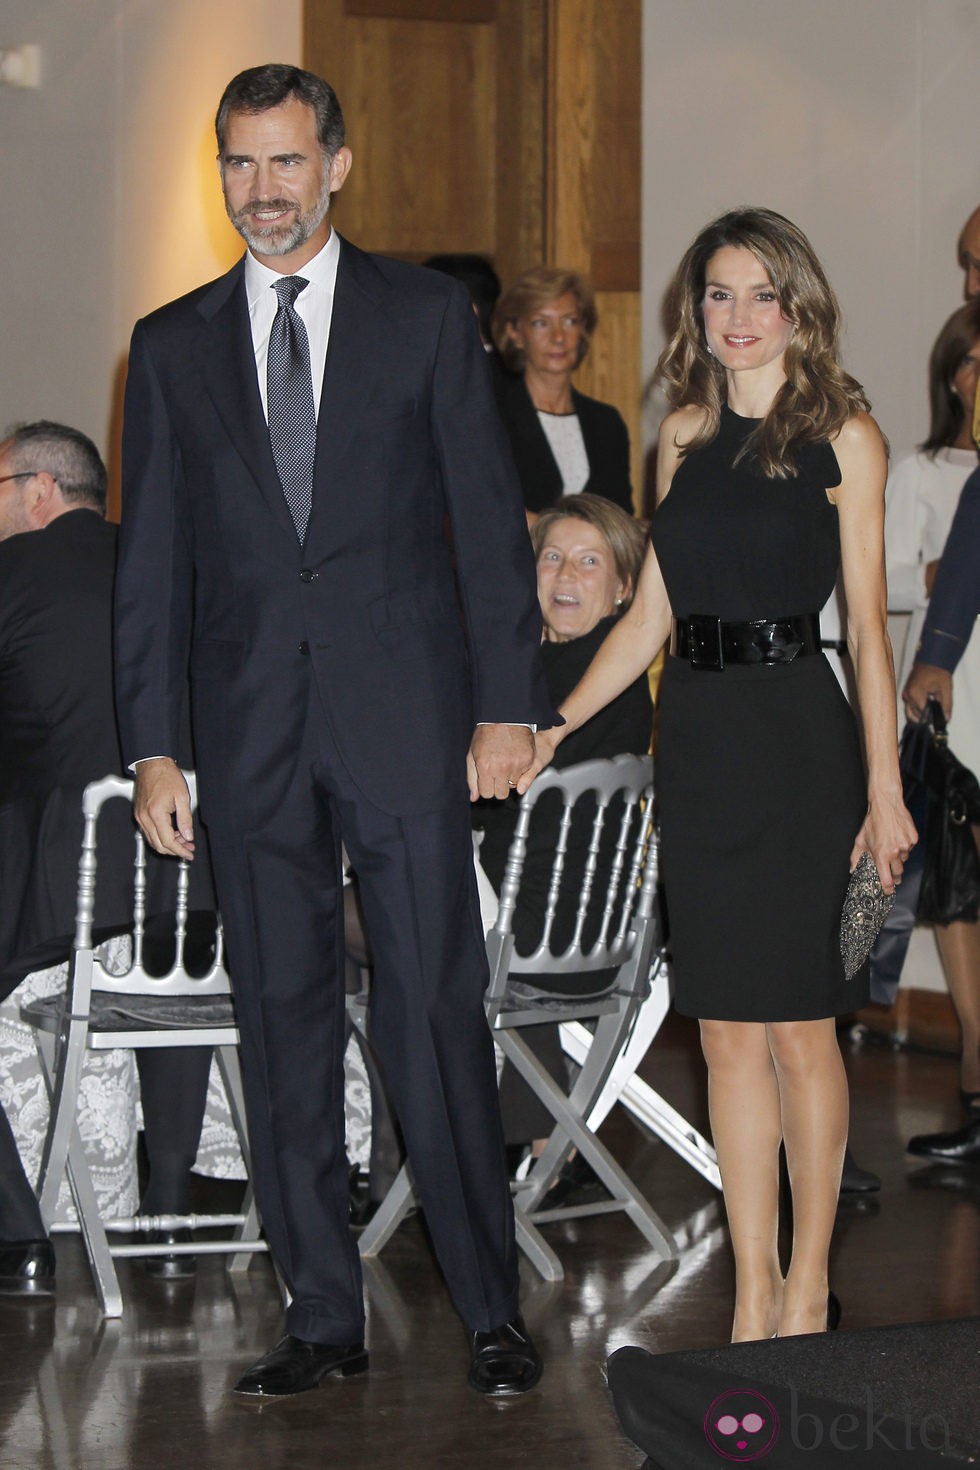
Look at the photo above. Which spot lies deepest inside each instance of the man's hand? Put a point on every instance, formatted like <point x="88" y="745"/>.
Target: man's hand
<point x="499" y="756"/>
<point x="161" y="796"/>
<point x="926" y="681"/>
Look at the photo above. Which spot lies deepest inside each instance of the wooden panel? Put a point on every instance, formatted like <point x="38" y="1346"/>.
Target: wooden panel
<point x="615" y="173"/>
<point x="611" y="370"/>
<point x="593" y="186"/>
<point x="470" y="10"/>
<point x="445" y="116"/>
<point x="420" y="101"/>
<point x="521" y="37"/>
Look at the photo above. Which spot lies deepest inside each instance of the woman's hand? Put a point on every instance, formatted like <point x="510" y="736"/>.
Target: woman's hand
<point x="545" y="745"/>
<point x="888" y="834"/>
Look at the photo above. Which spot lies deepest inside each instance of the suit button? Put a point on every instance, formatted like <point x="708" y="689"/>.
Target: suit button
<point x="307" y="576"/>
<point x="304" y="647"/>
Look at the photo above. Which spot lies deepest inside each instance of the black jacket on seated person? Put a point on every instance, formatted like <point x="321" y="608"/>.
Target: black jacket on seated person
<point x="623" y="727"/>
<point x="606" y="444"/>
<point x="58" y="733"/>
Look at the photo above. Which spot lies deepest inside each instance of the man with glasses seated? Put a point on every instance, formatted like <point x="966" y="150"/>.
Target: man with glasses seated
<point x="57" y="733"/>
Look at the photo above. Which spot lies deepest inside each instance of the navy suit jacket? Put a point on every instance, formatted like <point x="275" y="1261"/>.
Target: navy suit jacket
<point x="955" y="602"/>
<point x="409" y="640"/>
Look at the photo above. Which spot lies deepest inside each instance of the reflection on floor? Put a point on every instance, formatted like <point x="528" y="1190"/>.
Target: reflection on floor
<point x="151" y="1391"/>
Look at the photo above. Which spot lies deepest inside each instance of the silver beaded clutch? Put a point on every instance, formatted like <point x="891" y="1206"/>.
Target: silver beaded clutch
<point x="866" y="907"/>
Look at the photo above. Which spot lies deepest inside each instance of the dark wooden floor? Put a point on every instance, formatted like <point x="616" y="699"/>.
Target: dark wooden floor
<point x="152" y="1390"/>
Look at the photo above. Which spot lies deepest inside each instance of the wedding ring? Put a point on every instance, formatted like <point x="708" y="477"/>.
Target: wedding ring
<point x="511" y="783"/>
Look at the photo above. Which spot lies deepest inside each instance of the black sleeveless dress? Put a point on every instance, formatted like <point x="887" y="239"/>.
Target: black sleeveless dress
<point x="760" y="780"/>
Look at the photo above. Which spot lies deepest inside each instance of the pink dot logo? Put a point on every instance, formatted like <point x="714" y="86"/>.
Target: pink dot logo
<point x="741" y="1425"/>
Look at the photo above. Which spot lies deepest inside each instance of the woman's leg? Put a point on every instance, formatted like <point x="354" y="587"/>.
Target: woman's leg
<point x="813" y="1103"/>
<point x="959" y="947"/>
<point x="745" y="1124"/>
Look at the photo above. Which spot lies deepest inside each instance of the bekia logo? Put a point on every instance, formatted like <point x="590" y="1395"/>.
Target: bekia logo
<point x="741" y="1425"/>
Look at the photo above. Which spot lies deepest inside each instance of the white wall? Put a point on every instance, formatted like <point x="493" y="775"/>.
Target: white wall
<point x="856" y="118"/>
<point x="859" y="120"/>
<point x="111" y="202"/>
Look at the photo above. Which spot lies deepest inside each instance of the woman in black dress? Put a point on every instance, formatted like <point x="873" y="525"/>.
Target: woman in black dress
<point x="770" y="473"/>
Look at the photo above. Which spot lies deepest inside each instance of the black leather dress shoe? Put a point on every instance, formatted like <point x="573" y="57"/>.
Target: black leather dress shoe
<point x="26" y="1268"/>
<point x="504" y="1360"/>
<point x="293" y="1366"/>
<point x="959" y="1147"/>
<point x="855" y="1180"/>
<point x="170" y="1268"/>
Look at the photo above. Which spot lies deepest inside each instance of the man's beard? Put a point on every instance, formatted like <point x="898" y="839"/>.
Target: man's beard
<point x="283" y="236"/>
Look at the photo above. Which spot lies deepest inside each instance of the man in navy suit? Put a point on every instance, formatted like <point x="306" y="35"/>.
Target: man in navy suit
<point x="352" y="676"/>
<point x="953" y="609"/>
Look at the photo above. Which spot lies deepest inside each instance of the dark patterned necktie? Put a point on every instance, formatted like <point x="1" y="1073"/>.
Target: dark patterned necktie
<point x="292" y="415"/>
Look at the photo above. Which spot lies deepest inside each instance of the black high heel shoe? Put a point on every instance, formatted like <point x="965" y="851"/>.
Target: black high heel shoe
<point x="833" y="1312"/>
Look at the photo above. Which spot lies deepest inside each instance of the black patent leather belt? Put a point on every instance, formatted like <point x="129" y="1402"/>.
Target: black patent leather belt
<point x="708" y="643"/>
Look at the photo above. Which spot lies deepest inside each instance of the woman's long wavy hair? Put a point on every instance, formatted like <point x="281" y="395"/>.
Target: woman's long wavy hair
<point x="958" y="337"/>
<point x="818" y="396"/>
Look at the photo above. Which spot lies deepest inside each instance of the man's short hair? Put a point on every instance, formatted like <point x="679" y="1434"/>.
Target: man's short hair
<point x="479" y="278"/>
<point x="263" y="87"/>
<point x="68" y="456"/>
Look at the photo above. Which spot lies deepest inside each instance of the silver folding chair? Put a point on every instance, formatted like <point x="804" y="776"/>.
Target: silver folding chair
<point x="615" y="939"/>
<point x="99" y="1011"/>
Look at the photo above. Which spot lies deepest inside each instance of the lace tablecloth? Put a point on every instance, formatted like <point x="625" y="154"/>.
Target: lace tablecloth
<point x="109" y="1113"/>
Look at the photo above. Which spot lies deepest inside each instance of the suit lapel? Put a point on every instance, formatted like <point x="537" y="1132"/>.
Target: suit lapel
<point x="350" y="355"/>
<point x="229" y="373"/>
<point x="356" y="326"/>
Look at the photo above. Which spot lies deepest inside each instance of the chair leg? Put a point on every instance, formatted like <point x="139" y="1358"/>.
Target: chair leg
<point x="535" y="1247"/>
<point x="649" y="1017"/>
<point x="231" y="1076"/>
<point x="623" y="1086"/>
<point x="391" y="1212"/>
<point x="93" y="1231"/>
<point x="61" y="1066"/>
<point x="568" y="1113"/>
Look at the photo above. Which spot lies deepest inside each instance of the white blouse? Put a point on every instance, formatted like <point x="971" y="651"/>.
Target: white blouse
<point x="564" y="434"/>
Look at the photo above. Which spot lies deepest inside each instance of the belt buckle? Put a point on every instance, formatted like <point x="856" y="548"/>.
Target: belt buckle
<point x="704" y="642"/>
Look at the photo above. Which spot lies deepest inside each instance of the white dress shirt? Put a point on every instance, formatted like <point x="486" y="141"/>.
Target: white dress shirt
<point x="314" y="305"/>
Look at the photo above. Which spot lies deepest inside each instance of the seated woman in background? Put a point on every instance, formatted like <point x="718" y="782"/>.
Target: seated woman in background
<point x="589" y="554"/>
<point x="563" y="442"/>
<point x="920" y="501"/>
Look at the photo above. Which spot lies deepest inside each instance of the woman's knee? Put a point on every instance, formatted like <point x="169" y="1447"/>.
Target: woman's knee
<point x="731" y="1046"/>
<point x="801" y="1047"/>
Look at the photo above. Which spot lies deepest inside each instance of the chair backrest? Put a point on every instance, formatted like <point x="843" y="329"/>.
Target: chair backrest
<point x="87" y="972"/>
<point x="612" y="869"/>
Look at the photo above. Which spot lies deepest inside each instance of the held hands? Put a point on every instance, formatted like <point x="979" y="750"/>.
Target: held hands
<point x="545" y="746"/>
<point x="927" y="681"/>
<point x="498" y="757"/>
<point x="162" y="807"/>
<point x="888" y="834"/>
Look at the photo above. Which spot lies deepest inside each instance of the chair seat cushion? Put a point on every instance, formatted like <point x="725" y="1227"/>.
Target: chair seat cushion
<point x="143" y="1012"/>
<point x="521" y="995"/>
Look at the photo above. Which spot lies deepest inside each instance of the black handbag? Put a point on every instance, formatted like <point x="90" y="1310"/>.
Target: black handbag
<point x="939" y="785"/>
